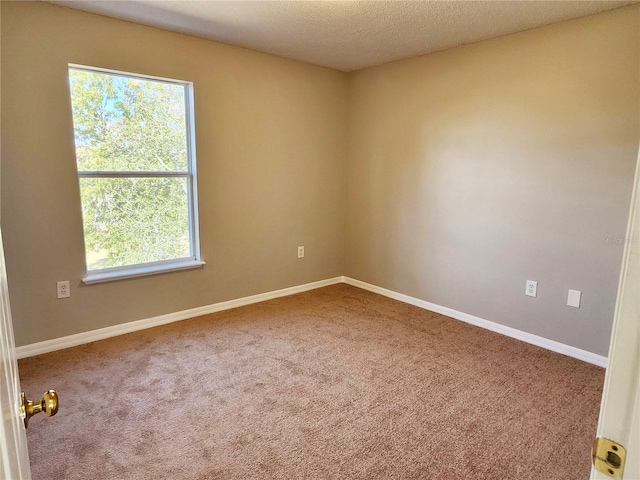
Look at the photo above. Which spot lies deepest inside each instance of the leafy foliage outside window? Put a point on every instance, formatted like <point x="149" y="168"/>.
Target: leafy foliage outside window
<point x="133" y="162"/>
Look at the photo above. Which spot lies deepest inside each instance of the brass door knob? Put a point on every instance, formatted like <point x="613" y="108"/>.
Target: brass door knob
<point x="49" y="405"/>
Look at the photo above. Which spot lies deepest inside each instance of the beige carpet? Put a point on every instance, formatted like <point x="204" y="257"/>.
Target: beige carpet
<point x="333" y="383"/>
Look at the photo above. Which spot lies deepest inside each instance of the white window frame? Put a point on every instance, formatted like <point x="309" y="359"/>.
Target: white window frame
<point x="151" y="268"/>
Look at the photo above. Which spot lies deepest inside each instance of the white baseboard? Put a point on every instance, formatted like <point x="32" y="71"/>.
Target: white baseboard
<point x="113" y="331"/>
<point x="486" y="324"/>
<point x="102" y="333"/>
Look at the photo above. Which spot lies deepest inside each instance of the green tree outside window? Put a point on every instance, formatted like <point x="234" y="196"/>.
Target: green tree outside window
<point x="132" y="153"/>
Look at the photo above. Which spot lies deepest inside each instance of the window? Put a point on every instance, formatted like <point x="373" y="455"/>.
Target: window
<point x="135" y="153"/>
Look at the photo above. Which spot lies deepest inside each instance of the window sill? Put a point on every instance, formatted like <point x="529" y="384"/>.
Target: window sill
<point x="140" y="272"/>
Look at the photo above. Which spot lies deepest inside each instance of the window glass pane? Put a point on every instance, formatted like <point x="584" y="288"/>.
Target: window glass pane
<point x="127" y="123"/>
<point x="129" y="221"/>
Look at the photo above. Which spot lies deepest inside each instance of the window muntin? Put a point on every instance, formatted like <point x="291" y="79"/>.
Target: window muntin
<point x="136" y="167"/>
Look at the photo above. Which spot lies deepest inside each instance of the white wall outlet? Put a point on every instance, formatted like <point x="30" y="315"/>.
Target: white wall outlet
<point x="573" y="299"/>
<point x="301" y="251"/>
<point x="531" y="289"/>
<point x="64" y="290"/>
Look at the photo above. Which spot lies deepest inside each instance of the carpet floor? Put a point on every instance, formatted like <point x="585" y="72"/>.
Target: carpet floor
<point x="335" y="383"/>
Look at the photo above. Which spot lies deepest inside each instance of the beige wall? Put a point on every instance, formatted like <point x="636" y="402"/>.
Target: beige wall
<point x="270" y="151"/>
<point x="474" y="169"/>
<point x="466" y="172"/>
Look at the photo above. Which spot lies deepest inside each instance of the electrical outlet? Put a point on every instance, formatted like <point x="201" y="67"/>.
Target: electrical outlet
<point x="64" y="290"/>
<point x="531" y="289"/>
<point x="301" y="252"/>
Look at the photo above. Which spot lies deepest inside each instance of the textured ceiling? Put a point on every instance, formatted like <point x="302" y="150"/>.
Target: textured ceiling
<point x="345" y="35"/>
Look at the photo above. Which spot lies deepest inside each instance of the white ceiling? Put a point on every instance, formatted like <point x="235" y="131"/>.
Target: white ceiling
<point x="345" y="35"/>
